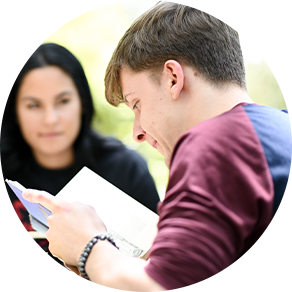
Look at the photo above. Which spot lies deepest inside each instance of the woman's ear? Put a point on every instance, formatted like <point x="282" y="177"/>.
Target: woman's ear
<point x="175" y="77"/>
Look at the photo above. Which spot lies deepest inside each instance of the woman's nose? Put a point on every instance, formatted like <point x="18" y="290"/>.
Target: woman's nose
<point x="50" y="116"/>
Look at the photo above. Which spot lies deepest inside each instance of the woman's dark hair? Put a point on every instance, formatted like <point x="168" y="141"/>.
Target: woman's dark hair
<point x="14" y="149"/>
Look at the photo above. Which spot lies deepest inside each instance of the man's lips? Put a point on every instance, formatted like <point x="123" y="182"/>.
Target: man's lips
<point x="155" y="145"/>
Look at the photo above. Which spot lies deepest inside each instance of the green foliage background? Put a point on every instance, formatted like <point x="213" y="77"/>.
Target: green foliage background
<point x="93" y="36"/>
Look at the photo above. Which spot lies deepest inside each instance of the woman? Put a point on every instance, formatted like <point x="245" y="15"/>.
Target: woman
<point x="46" y="137"/>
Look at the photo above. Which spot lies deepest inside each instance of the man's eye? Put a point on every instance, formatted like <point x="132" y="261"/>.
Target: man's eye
<point x="135" y="105"/>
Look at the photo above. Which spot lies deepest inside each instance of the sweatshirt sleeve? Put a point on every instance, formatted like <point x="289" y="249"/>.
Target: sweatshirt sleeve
<point x="218" y="202"/>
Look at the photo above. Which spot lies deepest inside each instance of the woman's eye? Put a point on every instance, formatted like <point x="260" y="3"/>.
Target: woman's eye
<point x="32" y="106"/>
<point x="64" y="101"/>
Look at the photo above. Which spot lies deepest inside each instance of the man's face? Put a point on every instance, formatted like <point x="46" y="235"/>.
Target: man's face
<point x="154" y="112"/>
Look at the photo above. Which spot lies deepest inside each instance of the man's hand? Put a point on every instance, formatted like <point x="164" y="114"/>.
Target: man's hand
<point x="71" y="225"/>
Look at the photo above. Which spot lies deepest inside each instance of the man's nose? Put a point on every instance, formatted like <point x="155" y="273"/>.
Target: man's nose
<point x="139" y="134"/>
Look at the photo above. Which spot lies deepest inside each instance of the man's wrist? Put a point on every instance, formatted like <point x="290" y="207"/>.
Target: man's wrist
<point x="87" y="251"/>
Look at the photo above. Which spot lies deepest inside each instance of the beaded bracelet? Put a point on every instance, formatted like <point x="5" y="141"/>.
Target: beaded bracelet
<point x="84" y="256"/>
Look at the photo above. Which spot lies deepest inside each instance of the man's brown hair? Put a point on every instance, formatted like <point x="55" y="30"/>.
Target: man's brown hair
<point x="182" y="33"/>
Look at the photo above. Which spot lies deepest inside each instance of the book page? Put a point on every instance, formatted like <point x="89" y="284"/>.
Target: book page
<point x="132" y="225"/>
<point x="36" y="210"/>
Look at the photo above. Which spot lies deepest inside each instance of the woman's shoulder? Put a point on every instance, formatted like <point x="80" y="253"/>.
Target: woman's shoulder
<point x="105" y="143"/>
<point x="111" y="151"/>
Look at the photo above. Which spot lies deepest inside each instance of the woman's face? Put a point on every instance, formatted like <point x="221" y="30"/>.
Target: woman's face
<point x="49" y="111"/>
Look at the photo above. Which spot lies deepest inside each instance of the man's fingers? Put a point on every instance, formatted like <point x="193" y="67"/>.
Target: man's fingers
<point x="41" y="197"/>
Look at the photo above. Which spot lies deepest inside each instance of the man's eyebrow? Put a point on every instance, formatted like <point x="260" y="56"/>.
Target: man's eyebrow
<point x="125" y="96"/>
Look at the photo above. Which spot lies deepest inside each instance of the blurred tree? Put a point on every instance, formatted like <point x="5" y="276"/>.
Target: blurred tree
<point x="91" y="30"/>
<point x="269" y="82"/>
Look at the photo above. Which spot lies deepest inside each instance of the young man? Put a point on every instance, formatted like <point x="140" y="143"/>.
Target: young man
<point x="182" y="73"/>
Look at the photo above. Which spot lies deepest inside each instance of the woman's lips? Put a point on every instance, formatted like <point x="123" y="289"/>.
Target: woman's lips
<point x="50" y="135"/>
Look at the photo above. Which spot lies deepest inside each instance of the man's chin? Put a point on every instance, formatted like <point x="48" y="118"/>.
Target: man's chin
<point x="166" y="157"/>
<point x="167" y="162"/>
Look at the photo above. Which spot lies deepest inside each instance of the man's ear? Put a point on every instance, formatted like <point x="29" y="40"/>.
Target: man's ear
<point x="174" y="74"/>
